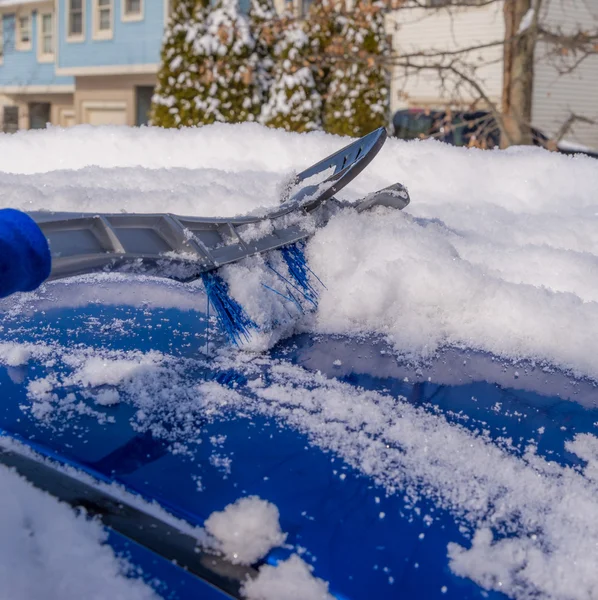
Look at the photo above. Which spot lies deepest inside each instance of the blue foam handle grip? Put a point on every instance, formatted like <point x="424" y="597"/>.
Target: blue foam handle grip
<point x="25" y="260"/>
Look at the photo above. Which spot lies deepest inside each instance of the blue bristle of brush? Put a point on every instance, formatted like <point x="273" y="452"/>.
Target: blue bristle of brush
<point x="299" y="272"/>
<point x="231" y="316"/>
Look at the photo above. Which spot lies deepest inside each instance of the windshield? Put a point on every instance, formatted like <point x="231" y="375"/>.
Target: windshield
<point x="413" y="126"/>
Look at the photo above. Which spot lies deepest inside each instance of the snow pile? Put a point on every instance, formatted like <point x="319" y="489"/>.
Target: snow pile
<point x="498" y="251"/>
<point x="291" y="579"/>
<point x="48" y="551"/>
<point x="246" y="530"/>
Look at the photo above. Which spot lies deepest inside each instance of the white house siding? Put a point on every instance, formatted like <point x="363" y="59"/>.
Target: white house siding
<point x="557" y="96"/>
<point x="417" y="29"/>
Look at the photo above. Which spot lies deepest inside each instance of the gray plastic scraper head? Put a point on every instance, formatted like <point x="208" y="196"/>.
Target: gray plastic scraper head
<point x="86" y="243"/>
<point x="393" y="196"/>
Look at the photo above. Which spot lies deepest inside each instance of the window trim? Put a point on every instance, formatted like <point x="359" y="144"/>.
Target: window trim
<point x="41" y="55"/>
<point x="19" y="45"/>
<point x="75" y="37"/>
<point x="105" y="34"/>
<point x="125" y="18"/>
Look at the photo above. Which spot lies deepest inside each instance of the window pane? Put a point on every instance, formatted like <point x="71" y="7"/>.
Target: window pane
<point x="133" y="7"/>
<point x="11" y="119"/>
<point x="104" y="2"/>
<point x="104" y="19"/>
<point x="76" y="4"/>
<point x="24" y="29"/>
<point x="76" y="22"/>
<point x="47" y="24"/>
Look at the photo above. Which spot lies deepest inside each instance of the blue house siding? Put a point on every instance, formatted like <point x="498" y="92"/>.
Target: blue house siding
<point x="132" y="43"/>
<point x="21" y="68"/>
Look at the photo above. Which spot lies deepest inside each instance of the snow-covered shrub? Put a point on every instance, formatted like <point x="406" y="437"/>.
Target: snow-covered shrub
<point x="228" y="47"/>
<point x="358" y="96"/>
<point x="265" y="29"/>
<point x="323" y="27"/>
<point x="294" y="103"/>
<point x="181" y="77"/>
<point x="209" y="67"/>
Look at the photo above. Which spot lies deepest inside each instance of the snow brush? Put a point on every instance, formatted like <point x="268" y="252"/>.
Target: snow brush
<point x="188" y="248"/>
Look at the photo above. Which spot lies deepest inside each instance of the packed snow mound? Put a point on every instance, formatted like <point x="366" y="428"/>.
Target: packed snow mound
<point x="246" y="530"/>
<point x="498" y="250"/>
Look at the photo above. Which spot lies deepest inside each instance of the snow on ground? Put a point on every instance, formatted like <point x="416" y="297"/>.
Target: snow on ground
<point x="498" y="251"/>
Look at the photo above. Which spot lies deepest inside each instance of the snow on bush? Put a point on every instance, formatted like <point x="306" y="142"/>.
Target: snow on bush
<point x="246" y="530"/>
<point x="294" y="103"/>
<point x="358" y="97"/>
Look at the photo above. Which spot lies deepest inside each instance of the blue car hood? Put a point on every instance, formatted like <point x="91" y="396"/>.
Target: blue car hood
<point x="365" y="539"/>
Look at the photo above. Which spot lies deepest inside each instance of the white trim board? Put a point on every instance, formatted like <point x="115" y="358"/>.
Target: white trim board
<point x="12" y="8"/>
<point x="37" y="89"/>
<point x="109" y="70"/>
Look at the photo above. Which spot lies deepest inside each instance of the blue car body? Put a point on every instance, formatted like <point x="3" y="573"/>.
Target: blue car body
<point x="365" y="542"/>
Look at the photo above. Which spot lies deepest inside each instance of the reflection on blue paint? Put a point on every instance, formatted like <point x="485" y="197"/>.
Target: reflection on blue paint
<point x="336" y="521"/>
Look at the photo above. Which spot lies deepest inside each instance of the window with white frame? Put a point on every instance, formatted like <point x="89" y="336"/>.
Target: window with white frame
<point x="46" y="35"/>
<point x="132" y="10"/>
<point x="23" y="31"/>
<point x="103" y="19"/>
<point x="75" y="19"/>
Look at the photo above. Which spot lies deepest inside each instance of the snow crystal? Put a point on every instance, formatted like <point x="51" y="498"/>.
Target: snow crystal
<point x="107" y="397"/>
<point x="246" y="530"/>
<point x="291" y="579"/>
<point x="585" y="446"/>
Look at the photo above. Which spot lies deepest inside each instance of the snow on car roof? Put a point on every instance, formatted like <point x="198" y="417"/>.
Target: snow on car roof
<point x="496" y="253"/>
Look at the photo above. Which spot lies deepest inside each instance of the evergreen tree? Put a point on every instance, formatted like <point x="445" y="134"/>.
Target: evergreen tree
<point x="265" y="29"/>
<point x="358" y="98"/>
<point x="323" y="26"/>
<point x="179" y="78"/>
<point x="294" y="103"/>
<point x="228" y="46"/>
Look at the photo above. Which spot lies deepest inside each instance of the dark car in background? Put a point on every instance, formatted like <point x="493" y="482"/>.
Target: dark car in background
<point x="472" y="129"/>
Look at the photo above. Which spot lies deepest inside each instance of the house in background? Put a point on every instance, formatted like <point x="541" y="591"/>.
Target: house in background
<point x="555" y="96"/>
<point x="31" y="90"/>
<point x="68" y="62"/>
<point x="79" y="61"/>
<point x="111" y="48"/>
